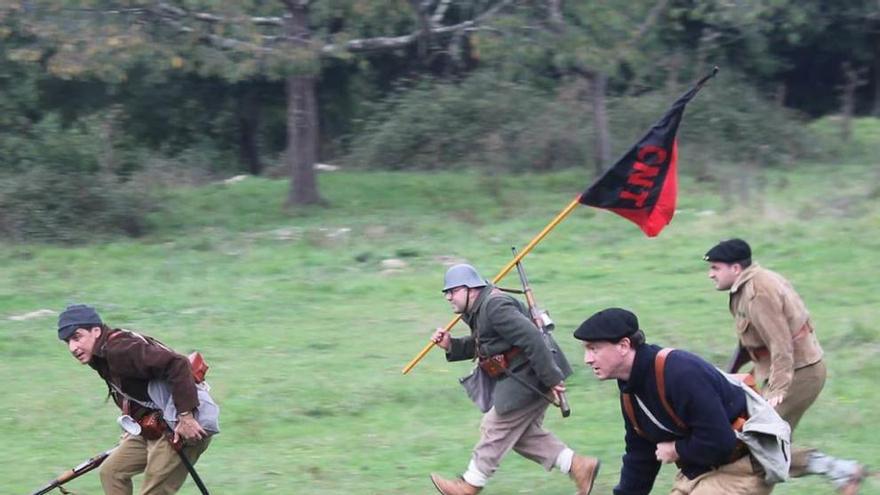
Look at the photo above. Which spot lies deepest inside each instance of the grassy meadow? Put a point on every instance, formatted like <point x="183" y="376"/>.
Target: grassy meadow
<point x="306" y="329"/>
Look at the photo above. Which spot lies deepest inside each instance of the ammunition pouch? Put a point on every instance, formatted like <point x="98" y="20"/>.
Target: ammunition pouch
<point x="497" y="364"/>
<point x="153" y="427"/>
<point x="198" y="365"/>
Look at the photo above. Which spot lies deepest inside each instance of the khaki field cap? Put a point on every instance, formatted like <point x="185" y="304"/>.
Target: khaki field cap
<point x="462" y="275"/>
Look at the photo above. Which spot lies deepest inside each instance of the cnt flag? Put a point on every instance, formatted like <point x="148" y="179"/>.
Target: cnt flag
<point x="642" y="185"/>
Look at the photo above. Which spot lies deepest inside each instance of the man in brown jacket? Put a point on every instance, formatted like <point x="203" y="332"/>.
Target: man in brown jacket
<point x="775" y="333"/>
<point x="144" y="378"/>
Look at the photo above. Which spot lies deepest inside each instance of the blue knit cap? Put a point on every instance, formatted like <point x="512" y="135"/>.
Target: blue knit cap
<point x="77" y="316"/>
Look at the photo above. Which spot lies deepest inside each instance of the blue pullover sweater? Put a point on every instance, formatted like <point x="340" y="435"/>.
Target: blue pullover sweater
<point x="704" y="400"/>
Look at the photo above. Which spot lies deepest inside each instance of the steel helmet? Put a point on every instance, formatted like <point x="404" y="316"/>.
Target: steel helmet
<point x="462" y="274"/>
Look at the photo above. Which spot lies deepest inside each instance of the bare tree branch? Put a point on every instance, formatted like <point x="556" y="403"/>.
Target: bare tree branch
<point x="390" y="43"/>
<point x="174" y="17"/>
<point x="268" y="21"/>
<point x="371" y="44"/>
<point x="649" y="21"/>
<point x="424" y="37"/>
<point x="440" y="11"/>
<point x="555" y="14"/>
<point x="216" y="19"/>
<point x="647" y="24"/>
<point x="219" y="41"/>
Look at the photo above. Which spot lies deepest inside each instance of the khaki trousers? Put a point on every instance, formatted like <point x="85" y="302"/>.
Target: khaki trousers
<point x="736" y="478"/>
<point x="805" y="387"/>
<point x="164" y="472"/>
<point x="520" y="430"/>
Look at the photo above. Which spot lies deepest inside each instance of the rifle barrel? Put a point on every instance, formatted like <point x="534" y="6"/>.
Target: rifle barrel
<point x="81" y="469"/>
<point x="46" y="489"/>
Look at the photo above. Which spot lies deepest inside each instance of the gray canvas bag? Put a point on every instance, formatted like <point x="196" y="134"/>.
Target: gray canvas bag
<point x="480" y="387"/>
<point x="766" y="434"/>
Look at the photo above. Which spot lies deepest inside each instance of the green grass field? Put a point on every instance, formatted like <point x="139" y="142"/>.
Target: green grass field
<point x="306" y="331"/>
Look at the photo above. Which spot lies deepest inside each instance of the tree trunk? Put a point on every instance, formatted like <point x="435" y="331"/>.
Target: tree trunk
<point x="853" y="79"/>
<point x="107" y="159"/>
<point x="248" y="127"/>
<point x="302" y="140"/>
<point x="302" y="117"/>
<point x="676" y="61"/>
<point x="781" y="94"/>
<point x="554" y="8"/>
<point x="876" y="111"/>
<point x="424" y="40"/>
<point x="602" y="154"/>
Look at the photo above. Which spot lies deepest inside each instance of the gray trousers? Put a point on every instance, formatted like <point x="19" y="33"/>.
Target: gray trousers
<point x="520" y="430"/>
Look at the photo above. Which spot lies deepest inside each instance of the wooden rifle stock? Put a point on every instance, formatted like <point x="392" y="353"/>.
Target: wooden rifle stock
<point x="538" y="318"/>
<point x="76" y="472"/>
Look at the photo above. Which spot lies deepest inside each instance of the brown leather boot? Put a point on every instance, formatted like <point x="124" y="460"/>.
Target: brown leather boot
<point x="851" y="487"/>
<point x="457" y="486"/>
<point x="583" y="472"/>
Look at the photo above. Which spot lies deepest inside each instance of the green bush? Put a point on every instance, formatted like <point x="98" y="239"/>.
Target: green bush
<point x="863" y="143"/>
<point x="48" y="143"/>
<point x="728" y="121"/>
<point x="485" y="122"/>
<point x="479" y="121"/>
<point x="52" y="189"/>
<point x="50" y="205"/>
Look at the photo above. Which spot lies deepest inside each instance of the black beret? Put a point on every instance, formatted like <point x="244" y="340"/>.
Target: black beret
<point x="77" y="316"/>
<point x="729" y="251"/>
<point x="610" y="324"/>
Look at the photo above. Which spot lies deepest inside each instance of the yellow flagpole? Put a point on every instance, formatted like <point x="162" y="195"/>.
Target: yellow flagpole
<point x="504" y="271"/>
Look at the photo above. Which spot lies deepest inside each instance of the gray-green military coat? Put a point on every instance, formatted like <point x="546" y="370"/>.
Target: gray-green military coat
<point x="501" y="322"/>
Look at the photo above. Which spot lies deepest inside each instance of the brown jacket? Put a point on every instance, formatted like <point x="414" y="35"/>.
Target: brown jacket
<point x="128" y="361"/>
<point x="773" y="324"/>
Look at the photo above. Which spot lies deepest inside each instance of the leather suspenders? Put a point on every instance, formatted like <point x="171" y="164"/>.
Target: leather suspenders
<point x="627" y="402"/>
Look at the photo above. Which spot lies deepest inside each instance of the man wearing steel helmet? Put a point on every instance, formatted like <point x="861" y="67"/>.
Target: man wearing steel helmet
<point x="143" y="378"/>
<point x="689" y="423"/>
<point x="500" y="325"/>
<point x="775" y="333"/>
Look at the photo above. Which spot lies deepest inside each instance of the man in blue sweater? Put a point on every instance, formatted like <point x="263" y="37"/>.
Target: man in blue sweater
<point x="689" y="424"/>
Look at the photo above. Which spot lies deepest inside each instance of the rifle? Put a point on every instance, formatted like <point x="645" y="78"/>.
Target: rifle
<point x="740" y="357"/>
<point x="541" y="320"/>
<point x="76" y="472"/>
<point x="192" y="470"/>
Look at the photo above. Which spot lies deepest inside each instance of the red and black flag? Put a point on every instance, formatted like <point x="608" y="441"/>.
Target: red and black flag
<point x="642" y="185"/>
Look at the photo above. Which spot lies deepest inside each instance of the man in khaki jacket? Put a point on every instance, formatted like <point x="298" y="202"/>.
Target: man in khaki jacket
<point x="775" y="333"/>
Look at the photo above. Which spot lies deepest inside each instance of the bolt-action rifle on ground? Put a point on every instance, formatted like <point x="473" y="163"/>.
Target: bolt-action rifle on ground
<point x="74" y="473"/>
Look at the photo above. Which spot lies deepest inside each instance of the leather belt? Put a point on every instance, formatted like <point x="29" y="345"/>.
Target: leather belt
<point x="764" y="353"/>
<point x="512" y="353"/>
<point x="497" y="364"/>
